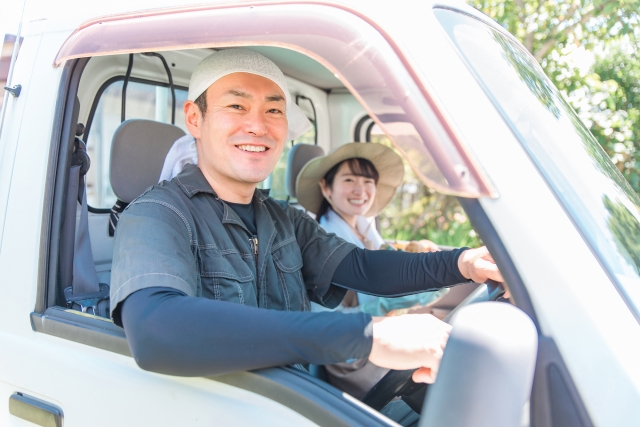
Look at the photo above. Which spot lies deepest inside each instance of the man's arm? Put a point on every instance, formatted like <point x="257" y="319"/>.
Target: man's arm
<point x="412" y="341"/>
<point x="174" y="334"/>
<point x="171" y="333"/>
<point x="394" y="274"/>
<point x="331" y="265"/>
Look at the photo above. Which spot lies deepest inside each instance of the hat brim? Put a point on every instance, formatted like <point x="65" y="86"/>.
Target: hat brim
<point x="386" y="161"/>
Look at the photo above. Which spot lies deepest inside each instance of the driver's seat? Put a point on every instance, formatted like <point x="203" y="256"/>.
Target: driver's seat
<point x="137" y="155"/>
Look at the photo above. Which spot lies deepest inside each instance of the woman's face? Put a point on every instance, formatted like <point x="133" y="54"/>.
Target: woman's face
<point x="350" y="195"/>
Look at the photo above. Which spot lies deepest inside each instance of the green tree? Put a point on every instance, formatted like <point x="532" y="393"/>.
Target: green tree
<point x="546" y="26"/>
<point x="625" y="229"/>
<point x="611" y="107"/>
<point x="417" y="212"/>
<point x="607" y="96"/>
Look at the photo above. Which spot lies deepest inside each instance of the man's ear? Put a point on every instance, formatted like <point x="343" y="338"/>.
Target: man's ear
<point x="193" y="119"/>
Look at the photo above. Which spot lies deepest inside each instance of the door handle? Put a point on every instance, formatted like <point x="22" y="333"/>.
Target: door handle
<point x="35" y="410"/>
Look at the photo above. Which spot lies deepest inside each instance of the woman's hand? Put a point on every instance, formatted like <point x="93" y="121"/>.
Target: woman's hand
<point x="421" y="246"/>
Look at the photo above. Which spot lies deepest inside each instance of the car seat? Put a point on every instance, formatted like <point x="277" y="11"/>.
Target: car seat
<point x="298" y="156"/>
<point x="138" y="150"/>
<point x="137" y="155"/>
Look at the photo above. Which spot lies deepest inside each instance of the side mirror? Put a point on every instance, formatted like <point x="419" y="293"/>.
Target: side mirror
<point x="486" y="373"/>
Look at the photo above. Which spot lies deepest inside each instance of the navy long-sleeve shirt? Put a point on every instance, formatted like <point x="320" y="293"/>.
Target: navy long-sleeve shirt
<point x="172" y="333"/>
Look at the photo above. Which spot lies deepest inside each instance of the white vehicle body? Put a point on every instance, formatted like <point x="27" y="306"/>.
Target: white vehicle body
<point x="94" y="380"/>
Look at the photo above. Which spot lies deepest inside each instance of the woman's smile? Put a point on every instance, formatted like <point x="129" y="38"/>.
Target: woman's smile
<point x="357" y="202"/>
<point x="350" y="195"/>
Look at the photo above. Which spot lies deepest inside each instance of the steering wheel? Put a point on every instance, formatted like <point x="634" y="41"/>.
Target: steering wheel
<point x="399" y="383"/>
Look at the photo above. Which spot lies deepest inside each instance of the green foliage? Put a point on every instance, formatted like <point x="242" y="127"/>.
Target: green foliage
<point x="418" y="212"/>
<point x="548" y="26"/>
<point x="614" y="108"/>
<point x="625" y="228"/>
<point x="276" y="181"/>
<point x="606" y="96"/>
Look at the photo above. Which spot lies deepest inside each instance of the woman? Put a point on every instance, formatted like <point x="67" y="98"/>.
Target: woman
<point x="346" y="189"/>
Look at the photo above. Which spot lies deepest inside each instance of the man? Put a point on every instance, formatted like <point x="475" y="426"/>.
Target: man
<point x="210" y="275"/>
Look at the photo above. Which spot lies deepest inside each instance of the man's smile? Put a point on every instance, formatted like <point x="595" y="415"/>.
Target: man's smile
<point x="253" y="148"/>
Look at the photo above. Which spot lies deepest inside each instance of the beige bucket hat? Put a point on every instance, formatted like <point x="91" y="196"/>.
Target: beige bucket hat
<point x="386" y="161"/>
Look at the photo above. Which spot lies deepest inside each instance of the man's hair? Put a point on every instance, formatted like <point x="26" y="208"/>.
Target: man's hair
<point x="201" y="102"/>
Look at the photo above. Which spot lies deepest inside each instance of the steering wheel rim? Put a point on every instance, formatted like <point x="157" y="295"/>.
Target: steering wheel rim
<point x="399" y="383"/>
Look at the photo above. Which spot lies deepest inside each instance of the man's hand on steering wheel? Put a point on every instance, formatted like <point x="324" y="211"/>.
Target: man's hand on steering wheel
<point x="417" y="341"/>
<point x="408" y="342"/>
<point x="478" y="265"/>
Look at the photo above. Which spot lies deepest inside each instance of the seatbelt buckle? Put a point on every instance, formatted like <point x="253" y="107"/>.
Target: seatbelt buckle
<point x="85" y="301"/>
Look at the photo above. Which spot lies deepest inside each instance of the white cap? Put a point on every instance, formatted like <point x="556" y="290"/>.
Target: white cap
<point x="237" y="60"/>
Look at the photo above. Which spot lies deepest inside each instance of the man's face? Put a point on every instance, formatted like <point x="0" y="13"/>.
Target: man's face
<point x="242" y="134"/>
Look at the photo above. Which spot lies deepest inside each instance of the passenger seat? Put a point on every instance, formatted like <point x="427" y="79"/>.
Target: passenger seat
<point x="298" y="156"/>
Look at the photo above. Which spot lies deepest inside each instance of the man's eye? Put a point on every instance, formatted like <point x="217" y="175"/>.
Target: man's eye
<point x="275" y="111"/>
<point x="236" y="106"/>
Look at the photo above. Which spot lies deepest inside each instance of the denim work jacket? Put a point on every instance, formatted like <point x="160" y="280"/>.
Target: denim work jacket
<point x="180" y="234"/>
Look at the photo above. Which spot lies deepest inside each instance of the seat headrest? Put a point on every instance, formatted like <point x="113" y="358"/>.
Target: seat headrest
<point x="137" y="155"/>
<point x="299" y="155"/>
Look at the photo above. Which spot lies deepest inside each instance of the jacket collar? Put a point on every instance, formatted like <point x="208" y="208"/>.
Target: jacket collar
<point x="191" y="181"/>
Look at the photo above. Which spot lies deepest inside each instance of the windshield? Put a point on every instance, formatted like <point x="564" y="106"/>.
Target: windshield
<point x="595" y="195"/>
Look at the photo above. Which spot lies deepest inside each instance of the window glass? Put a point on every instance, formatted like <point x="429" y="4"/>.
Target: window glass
<point x="275" y="181"/>
<point x="418" y="212"/>
<point x="600" y="202"/>
<point x="144" y="101"/>
<point x="374" y="69"/>
<point x="8" y="44"/>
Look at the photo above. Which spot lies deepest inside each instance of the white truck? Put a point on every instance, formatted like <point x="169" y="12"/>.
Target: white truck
<point x="468" y="108"/>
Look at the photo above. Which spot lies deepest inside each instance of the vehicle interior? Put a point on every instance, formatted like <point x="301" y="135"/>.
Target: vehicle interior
<point x="121" y="114"/>
<point x="129" y="115"/>
<point x="151" y="105"/>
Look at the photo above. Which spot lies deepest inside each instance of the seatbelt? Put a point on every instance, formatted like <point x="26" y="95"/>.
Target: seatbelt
<point x="114" y="215"/>
<point x="85" y="291"/>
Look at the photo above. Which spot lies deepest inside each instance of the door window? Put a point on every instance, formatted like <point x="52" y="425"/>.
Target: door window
<point x="5" y="59"/>
<point x="276" y="181"/>
<point x="418" y="212"/>
<point x="145" y="100"/>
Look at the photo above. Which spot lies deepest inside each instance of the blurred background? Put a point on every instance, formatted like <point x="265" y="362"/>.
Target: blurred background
<point x="588" y="48"/>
